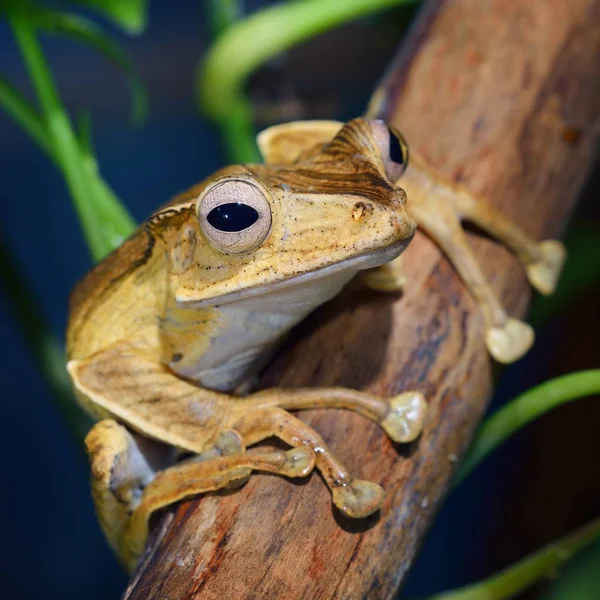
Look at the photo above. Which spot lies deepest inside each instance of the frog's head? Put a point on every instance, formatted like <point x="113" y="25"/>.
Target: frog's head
<point x="325" y="201"/>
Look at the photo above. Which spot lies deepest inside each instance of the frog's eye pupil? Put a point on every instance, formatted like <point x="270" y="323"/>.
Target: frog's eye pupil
<point x="232" y="216"/>
<point x="396" y="154"/>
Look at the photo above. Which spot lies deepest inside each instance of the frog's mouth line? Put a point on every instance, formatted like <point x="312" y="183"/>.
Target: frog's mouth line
<point x="366" y="260"/>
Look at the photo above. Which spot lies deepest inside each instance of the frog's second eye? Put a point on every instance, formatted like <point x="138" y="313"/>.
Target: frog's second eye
<point x="392" y="148"/>
<point x="235" y="215"/>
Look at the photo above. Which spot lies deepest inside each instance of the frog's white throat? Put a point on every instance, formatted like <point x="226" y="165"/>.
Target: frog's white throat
<point x="251" y="325"/>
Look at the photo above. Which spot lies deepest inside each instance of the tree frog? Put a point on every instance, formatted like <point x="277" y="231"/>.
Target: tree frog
<point x="166" y="335"/>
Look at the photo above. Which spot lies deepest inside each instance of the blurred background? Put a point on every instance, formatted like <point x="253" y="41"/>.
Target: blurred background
<point x="538" y="486"/>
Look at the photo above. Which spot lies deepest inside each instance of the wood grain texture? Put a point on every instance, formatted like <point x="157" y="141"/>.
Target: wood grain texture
<point x="504" y="96"/>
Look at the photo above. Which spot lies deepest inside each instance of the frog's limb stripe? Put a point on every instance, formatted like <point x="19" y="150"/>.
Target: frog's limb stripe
<point x="124" y="382"/>
<point x="186" y="480"/>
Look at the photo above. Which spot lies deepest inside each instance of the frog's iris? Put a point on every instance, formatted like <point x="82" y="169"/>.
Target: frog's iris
<point x="232" y="216"/>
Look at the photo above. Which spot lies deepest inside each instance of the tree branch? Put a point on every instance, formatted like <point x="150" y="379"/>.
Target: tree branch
<point x="503" y="96"/>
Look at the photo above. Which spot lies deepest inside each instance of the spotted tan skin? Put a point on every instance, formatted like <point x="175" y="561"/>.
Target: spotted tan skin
<point x="438" y="207"/>
<point x="165" y="332"/>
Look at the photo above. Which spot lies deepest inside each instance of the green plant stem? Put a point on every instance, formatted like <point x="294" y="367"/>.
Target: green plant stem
<point x="247" y="44"/>
<point x="522" y="575"/>
<point x="64" y="141"/>
<point x="222" y="14"/>
<point x="524" y="409"/>
<point x="110" y="216"/>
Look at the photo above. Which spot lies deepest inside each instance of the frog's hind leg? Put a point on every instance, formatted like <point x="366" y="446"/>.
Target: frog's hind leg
<point x="543" y="261"/>
<point x="119" y="473"/>
<point x="193" y="478"/>
<point x="124" y="467"/>
<point x="433" y="206"/>
<point x="261" y="416"/>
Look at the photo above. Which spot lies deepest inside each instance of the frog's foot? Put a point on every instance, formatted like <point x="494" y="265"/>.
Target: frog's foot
<point x="386" y="278"/>
<point x="543" y="273"/>
<point x="358" y="499"/>
<point x="509" y="342"/>
<point x="406" y="416"/>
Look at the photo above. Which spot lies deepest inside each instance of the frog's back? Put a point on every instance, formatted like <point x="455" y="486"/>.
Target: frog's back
<point x="118" y="297"/>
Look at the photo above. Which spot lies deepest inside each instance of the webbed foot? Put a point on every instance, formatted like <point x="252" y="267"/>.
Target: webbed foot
<point x="358" y="499"/>
<point x="510" y="342"/>
<point x="405" y="420"/>
<point x="544" y="273"/>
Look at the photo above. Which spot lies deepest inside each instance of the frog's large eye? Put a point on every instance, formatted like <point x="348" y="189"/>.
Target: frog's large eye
<point x="393" y="149"/>
<point x="234" y="215"/>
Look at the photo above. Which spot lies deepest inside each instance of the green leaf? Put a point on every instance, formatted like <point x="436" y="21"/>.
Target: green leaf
<point x="112" y="217"/>
<point x="246" y="44"/>
<point x="24" y="114"/>
<point x="580" y="580"/>
<point x="104" y="220"/>
<point x="223" y="13"/>
<point x="522" y="410"/>
<point x="130" y="15"/>
<point x="83" y="30"/>
<point x="521" y="576"/>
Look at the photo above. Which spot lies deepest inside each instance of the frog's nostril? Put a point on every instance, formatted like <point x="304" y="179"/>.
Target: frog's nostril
<point x="361" y="210"/>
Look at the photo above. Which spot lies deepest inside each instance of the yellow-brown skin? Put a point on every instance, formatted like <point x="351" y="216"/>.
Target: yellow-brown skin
<point x="165" y="331"/>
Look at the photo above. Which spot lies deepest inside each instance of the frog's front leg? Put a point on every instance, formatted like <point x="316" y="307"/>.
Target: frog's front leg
<point x="438" y="207"/>
<point x="128" y="384"/>
<point x="261" y="415"/>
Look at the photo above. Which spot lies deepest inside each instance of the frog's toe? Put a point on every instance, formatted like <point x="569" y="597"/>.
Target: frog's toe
<point x="544" y="273"/>
<point x="510" y="342"/>
<point x="358" y="499"/>
<point x="299" y="462"/>
<point x="405" y="420"/>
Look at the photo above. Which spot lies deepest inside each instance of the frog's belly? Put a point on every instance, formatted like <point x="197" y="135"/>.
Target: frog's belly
<point x="250" y="329"/>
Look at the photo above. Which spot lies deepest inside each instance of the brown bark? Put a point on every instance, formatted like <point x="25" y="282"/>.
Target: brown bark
<point x="502" y="95"/>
